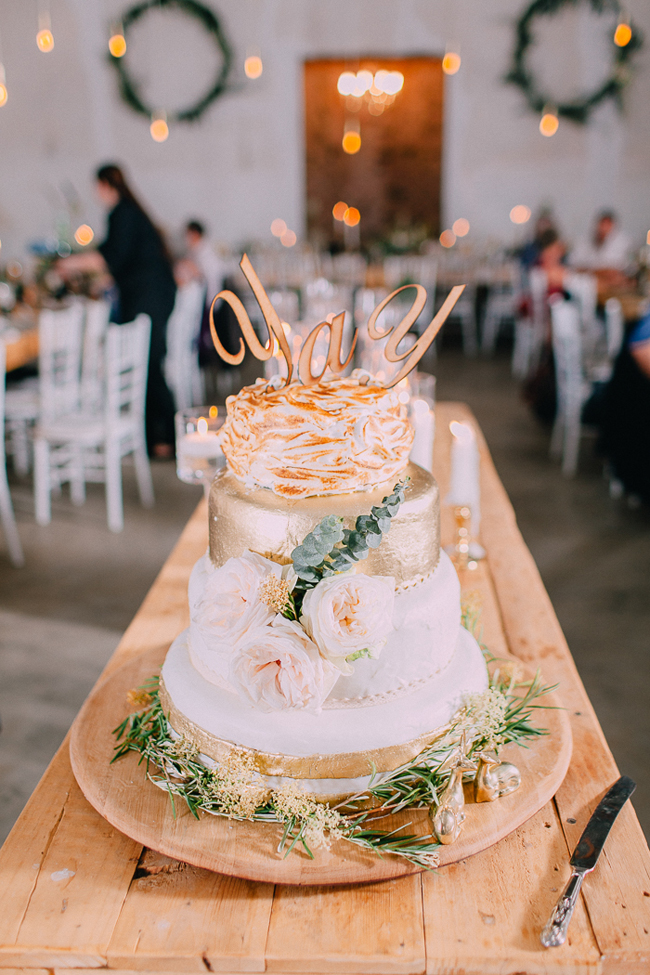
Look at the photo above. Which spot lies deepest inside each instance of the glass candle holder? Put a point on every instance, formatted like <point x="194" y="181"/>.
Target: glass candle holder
<point x="422" y="392"/>
<point x="198" y="452"/>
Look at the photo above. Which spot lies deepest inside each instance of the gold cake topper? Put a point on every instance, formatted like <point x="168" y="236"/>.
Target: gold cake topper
<point x="333" y="359"/>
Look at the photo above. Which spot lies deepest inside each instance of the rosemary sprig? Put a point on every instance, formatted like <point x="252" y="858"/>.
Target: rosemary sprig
<point x="236" y="791"/>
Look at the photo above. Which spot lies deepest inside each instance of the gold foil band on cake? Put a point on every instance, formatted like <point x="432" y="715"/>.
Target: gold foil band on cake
<point x="259" y="520"/>
<point x="343" y="765"/>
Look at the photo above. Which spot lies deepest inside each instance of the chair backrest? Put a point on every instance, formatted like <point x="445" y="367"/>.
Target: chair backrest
<point x="538" y="281"/>
<point x="59" y="359"/>
<point x="183" y="330"/>
<point x="127" y="358"/>
<point x="584" y="288"/>
<point x="567" y="349"/>
<point x="614" y="326"/>
<point x="97" y="317"/>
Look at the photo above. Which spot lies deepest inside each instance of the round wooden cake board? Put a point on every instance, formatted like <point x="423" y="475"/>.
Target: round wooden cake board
<point x="122" y="794"/>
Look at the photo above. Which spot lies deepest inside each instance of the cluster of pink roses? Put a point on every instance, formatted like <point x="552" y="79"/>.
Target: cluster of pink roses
<point x="278" y="663"/>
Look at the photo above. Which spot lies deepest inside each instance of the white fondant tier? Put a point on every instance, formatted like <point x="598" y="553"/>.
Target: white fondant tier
<point x="419" y="648"/>
<point x="223" y="715"/>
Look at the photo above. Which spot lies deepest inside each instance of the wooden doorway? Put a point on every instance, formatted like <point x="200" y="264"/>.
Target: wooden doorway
<point x="394" y="177"/>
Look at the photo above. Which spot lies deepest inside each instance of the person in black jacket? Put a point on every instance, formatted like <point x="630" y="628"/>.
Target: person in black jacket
<point x="135" y="254"/>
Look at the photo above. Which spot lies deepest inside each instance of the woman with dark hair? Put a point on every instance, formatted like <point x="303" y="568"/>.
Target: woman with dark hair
<point x="135" y="254"/>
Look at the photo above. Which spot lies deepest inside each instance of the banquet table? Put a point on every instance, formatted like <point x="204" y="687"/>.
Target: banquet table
<point x="77" y="894"/>
<point x="21" y="347"/>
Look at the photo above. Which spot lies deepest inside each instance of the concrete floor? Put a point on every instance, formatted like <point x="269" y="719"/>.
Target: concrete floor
<point x="62" y="615"/>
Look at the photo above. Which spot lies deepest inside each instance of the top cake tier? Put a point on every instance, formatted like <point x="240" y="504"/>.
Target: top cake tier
<point x="335" y="437"/>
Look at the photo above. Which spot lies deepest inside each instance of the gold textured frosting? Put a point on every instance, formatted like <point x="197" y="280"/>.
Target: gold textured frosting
<point x="261" y="521"/>
<point x="335" y="437"/>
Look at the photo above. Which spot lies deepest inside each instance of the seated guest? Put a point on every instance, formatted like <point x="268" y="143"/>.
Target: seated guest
<point x="625" y="421"/>
<point x="200" y="253"/>
<point x="552" y="252"/>
<point x="529" y="254"/>
<point x="607" y="252"/>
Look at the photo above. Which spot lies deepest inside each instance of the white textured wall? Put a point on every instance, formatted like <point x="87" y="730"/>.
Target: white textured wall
<point x="242" y="164"/>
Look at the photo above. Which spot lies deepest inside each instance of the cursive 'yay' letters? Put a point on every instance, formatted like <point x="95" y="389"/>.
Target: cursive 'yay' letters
<point x="333" y="360"/>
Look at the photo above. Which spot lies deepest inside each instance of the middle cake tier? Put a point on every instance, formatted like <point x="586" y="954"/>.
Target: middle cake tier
<point x="258" y="520"/>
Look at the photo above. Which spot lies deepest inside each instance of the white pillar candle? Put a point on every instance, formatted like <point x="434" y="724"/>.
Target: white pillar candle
<point x="423" y="419"/>
<point x="200" y="445"/>
<point x="465" y="485"/>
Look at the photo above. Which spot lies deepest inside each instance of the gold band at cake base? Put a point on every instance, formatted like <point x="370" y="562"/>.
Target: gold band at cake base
<point x="343" y="765"/>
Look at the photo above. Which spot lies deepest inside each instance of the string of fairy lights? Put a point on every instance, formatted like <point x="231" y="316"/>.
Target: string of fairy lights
<point x="376" y="90"/>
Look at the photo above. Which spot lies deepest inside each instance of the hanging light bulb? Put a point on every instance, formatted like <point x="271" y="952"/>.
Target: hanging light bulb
<point x="44" y="37"/>
<point x="84" y="235"/>
<point x="117" y="42"/>
<point x="451" y="62"/>
<point x="3" y="86"/>
<point x="351" y="141"/>
<point x="622" y="34"/>
<point x="159" y="128"/>
<point x="253" y="66"/>
<point x="549" y="122"/>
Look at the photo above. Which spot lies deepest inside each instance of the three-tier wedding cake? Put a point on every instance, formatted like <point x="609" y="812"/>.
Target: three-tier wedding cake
<point x="325" y="642"/>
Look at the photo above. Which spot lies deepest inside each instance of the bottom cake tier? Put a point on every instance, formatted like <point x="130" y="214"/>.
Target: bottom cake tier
<point x="328" y="754"/>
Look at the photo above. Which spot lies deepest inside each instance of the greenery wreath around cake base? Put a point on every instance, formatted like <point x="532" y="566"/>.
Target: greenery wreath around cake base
<point x="500" y="715"/>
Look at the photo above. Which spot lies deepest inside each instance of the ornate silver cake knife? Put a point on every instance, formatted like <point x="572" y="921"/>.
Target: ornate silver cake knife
<point x="584" y="858"/>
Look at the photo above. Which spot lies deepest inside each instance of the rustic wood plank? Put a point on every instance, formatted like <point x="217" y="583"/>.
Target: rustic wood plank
<point x="23" y="350"/>
<point x="370" y="928"/>
<point x="50" y="820"/>
<point x="192" y="920"/>
<point x="484" y="915"/>
<point x="534" y="635"/>
<point x="81" y="886"/>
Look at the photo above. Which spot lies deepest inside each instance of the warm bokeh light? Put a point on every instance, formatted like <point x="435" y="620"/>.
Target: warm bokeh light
<point x="548" y="124"/>
<point x="117" y="45"/>
<point x="253" y="66"/>
<point x="338" y="210"/>
<point x="3" y="94"/>
<point x="460" y="227"/>
<point x="84" y="235"/>
<point x="622" y="35"/>
<point x="351" y="142"/>
<point x="647" y="239"/>
<point x="213" y="412"/>
<point x="451" y="62"/>
<point x="447" y="238"/>
<point x="45" y="40"/>
<point x="202" y="425"/>
<point x="364" y="81"/>
<point x="288" y="238"/>
<point x="278" y="227"/>
<point x="347" y="83"/>
<point x="351" y="217"/>
<point x="389" y="82"/>
<point x="159" y="129"/>
<point x="520" y="214"/>
<point x="14" y="269"/>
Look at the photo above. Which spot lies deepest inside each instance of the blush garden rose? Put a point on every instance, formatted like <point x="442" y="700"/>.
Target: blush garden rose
<point x="278" y="668"/>
<point x="346" y="615"/>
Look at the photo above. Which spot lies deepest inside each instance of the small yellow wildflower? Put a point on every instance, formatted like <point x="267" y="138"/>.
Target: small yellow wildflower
<point x="274" y="592"/>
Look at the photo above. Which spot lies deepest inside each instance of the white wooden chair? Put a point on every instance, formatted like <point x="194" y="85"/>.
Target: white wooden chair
<point x="614" y="327"/>
<point x="97" y="316"/>
<point x="531" y="330"/>
<point x="6" y="510"/>
<point x="78" y="445"/>
<point x="182" y="363"/>
<point x="58" y="361"/>
<point x="573" y="389"/>
<point x="502" y="303"/>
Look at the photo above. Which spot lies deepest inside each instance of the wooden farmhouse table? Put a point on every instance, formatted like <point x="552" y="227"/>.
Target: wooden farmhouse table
<point x="23" y="349"/>
<point x="77" y="894"/>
